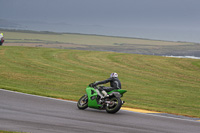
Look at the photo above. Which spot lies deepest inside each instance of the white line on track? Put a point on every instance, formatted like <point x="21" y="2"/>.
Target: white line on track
<point x="37" y="96"/>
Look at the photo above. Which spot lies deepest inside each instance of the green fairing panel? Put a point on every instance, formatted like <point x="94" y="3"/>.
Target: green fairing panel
<point x="92" y="103"/>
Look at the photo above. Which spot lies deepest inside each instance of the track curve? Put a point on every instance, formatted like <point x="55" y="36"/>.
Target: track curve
<point x="28" y="113"/>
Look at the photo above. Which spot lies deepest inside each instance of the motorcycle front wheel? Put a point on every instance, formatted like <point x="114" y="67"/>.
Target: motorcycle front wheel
<point x="83" y="102"/>
<point x="114" y="106"/>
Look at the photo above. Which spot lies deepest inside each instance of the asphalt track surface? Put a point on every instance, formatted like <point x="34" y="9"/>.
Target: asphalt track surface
<point x="27" y="113"/>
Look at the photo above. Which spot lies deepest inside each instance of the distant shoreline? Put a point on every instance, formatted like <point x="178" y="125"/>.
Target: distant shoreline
<point x="95" y="42"/>
<point x="52" y="32"/>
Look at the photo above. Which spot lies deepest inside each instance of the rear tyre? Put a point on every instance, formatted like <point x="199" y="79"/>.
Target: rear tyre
<point x="83" y="102"/>
<point x="115" y="105"/>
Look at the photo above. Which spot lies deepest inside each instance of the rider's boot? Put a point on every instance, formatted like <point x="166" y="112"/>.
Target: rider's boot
<point x="100" y="94"/>
<point x="104" y="94"/>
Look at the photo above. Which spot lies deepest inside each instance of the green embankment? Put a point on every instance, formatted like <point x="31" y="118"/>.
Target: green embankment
<point x="155" y="83"/>
<point x="98" y="43"/>
<point x="12" y="36"/>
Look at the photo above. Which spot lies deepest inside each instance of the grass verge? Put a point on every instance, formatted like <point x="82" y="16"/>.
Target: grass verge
<point x="156" y="83"/>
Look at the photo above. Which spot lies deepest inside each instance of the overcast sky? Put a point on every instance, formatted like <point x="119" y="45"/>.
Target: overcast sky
<point x="154" y="19"/>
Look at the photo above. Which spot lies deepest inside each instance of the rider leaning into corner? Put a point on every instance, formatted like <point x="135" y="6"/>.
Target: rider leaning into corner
<point x="114" y="84"/>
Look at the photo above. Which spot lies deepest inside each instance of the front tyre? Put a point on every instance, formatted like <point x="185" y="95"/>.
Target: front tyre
<point x="114" y="105"/>
<point x="83" y="102"/>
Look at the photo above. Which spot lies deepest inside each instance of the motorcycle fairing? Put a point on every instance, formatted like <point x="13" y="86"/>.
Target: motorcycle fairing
<point x="92" y="98"/>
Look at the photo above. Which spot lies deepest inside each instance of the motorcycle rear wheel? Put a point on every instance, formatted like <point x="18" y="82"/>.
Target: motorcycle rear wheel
<point x="113" y="108"/>
<point x="83" y="102"/>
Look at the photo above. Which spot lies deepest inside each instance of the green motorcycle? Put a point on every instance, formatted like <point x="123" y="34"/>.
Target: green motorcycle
<point x="111" y="104"/>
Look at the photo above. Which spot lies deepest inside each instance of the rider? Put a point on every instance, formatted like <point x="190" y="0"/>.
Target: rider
<point x="1" y="39"/>
<point x="114" y="84"/>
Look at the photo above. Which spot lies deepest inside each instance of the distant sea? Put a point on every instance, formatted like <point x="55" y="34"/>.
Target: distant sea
<point x="162" y="33"/>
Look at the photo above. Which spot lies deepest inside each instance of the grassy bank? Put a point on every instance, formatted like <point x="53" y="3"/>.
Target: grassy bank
<point x="155" y="83"/>
<point x="98" y="43"/>
<point x="18" y="36"/>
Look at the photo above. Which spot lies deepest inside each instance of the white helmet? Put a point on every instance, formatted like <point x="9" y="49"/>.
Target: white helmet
<point x="113" y="75"/>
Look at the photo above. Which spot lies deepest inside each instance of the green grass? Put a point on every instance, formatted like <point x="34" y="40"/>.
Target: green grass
<point x="156" y="83"/>
<point x="97" y="43"/>
<point x="18" y="36"/>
